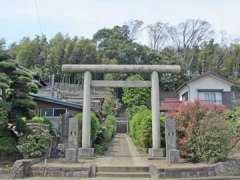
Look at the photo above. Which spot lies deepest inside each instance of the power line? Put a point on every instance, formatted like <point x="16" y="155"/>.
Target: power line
<point x="38" y="16"/>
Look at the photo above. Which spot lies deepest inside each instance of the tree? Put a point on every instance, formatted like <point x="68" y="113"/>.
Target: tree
<point x="136" y="96"/>
<point x="189" y="34"/>
<point x="134" y="27"/>
<point x="157" y="35"/>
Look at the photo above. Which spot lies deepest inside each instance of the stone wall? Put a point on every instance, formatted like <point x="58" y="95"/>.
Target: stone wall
<point x="207" y="171"/>
<point x="227" y="168"/>
<point x="81" y="172"/>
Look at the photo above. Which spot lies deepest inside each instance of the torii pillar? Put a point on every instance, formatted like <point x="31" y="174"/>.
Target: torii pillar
<point x="86" y="150"/>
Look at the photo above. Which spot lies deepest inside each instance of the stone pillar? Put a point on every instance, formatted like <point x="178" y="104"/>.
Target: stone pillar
<point x="155" y="151"/>
<point x="86" y="150"/>
<point x="172" y="154"/>
<point x="72" y="145"/>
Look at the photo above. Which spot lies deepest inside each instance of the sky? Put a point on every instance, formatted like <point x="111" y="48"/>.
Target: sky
<point x="19" y="18"/>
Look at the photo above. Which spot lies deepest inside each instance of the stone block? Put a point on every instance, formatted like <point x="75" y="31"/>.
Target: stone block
<point x="85" y="153"/>
<point x="71" y="155"/>
<point x="73" y="133"/>
<point x="21" y="168"/>
<point x="173" y="156"/>
<point x="156" y="152"/>
<point x="170" y="135"/>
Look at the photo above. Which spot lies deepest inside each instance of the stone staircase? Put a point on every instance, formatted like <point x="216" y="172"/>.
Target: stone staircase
<point x="123" y="172"/>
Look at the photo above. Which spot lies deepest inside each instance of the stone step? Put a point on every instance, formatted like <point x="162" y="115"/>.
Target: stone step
<point x="122" y="169"/>
<point x="124" y="174"/>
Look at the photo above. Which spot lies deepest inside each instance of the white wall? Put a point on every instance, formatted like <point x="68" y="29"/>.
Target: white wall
<point x="208" y="82"/>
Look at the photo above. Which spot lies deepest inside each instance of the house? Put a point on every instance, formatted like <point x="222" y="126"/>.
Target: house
<point x="209" y="87"/>
<point x="55" y="109"/>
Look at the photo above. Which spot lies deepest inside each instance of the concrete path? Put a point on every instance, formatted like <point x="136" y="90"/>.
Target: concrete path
<point x="122" y="152"/>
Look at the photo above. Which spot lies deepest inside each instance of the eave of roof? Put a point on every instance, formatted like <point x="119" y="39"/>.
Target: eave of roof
<point x="204" y="75"/>
<point x="56" y="101"/>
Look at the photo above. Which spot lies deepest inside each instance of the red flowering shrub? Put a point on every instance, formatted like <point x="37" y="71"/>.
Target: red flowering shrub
<point x="202" y="131"/>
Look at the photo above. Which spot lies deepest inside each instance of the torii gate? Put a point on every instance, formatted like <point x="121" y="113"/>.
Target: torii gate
<point x="86" y="150"/>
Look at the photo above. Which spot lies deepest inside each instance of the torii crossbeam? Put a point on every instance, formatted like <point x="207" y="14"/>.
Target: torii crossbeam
<point x="86" y="150"/>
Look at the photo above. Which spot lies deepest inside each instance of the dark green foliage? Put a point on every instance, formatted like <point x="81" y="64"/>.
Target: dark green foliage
<point x="16" y="104"/>
<point x="7" y="144"/>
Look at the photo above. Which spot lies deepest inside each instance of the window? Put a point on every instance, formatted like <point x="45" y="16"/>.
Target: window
<point x="185" y="96"/>
<point x="47" y="112"/>
<point x="213" y="97"/>
<point x="59" y="112"/>
<point x="52" y="112"/>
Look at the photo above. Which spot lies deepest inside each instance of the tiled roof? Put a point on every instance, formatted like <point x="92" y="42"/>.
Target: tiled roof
<point x="56" y="101"/>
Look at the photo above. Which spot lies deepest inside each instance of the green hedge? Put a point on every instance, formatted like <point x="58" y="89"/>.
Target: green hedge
<point x="141" y="128"/>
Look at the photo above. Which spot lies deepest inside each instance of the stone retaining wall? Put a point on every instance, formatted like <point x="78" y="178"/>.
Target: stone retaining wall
<point x="81" y="172"/>
<point x="24" y="168"/>
<point x="227" y="168"/>
<point x="207" y="171"/>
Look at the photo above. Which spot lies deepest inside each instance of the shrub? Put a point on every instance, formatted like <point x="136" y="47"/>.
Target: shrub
<point x="34" y="144"/>
<point x="111" y="125"/>
<point x="95" y="125"/>
<point x="105" y="134"/>
<point x="202" y="131"/>
<point x="7" y="143"/>
<point x="42" y="120"/>
<point x="101" y="141"/>
<point x="233" y="121"/>
<point x="141" y="128"/>
<point x="102" y="134"/>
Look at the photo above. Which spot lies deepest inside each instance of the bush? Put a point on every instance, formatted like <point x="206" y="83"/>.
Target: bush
<point x="7" y="143"/>
<point x="202" y="131"/>
<point x="105" y="134"/>
<point x="233" y="121"/>
<point x="34" y="144"/>
<point x="95" y="125"/>
<point x="101" y="141"/>
<point x="42" y="120"/>
<point x="141" y="128"/>
<point x="111" y="126"/>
